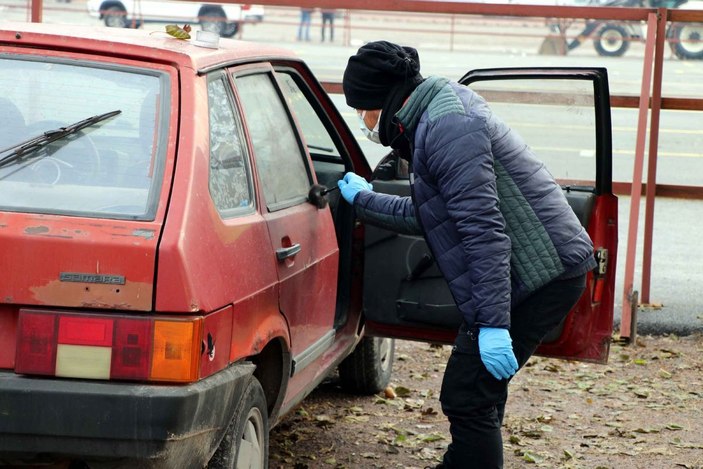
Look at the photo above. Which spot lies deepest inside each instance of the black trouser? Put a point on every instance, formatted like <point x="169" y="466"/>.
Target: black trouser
<point x="472" y="399"/>
<point x="328" y="18"/>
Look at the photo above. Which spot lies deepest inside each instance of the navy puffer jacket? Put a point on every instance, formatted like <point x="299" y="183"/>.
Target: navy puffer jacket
<point x="495" y="219"/>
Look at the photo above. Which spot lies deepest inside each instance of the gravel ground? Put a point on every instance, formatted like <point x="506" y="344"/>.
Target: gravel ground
<point x="644" y="409"/>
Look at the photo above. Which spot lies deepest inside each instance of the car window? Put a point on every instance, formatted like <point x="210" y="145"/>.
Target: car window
<point x="317" y="138"/>
<point x="111" y="169"/>
<point x="280" y="161"/>
<point x="556" y="118"/>
<point x="229" y="181"/>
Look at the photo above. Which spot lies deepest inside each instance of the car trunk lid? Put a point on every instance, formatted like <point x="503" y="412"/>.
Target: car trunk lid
<point x="56" y="261"/>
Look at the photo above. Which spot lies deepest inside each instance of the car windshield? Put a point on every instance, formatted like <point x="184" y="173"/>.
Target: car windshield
<point x="111" y="166"/>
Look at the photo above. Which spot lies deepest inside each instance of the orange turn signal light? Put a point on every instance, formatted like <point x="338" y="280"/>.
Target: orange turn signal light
<point x="176" y="350"/>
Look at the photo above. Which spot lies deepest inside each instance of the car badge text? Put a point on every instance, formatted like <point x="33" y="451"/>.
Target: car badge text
<point x="91" y="278"/>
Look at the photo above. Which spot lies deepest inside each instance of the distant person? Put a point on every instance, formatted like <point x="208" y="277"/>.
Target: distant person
<point x="304" y="27"/>
<point x="328" y="18"/>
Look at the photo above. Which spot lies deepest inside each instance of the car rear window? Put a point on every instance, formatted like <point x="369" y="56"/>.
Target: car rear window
<point x="111" y="168"/>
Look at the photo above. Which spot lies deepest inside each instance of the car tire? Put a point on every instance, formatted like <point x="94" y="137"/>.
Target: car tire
<point x="613" y="40"/>
<point x="216" y="22"/>
<point x="230" y="29"/>
<point x="688" y="40"/>
<point x="115" y="17"/>
<point x="246" y="440"/>
<point x="368" y="369"/>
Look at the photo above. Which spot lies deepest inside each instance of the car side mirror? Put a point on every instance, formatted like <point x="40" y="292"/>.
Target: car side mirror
<point x="318" y="195"/>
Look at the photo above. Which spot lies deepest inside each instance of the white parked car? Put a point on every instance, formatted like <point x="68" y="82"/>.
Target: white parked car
<point x="225" y="19"/>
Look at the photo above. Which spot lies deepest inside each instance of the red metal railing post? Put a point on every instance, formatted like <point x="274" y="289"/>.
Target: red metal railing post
<point x="626" y="322"/>
<point x="652" y="160"/>
<point x="36" y="12"/>
<point x="347" y="28"/>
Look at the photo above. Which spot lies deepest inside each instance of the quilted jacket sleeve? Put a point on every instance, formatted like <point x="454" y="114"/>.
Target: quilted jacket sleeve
<point x="387" y="211"/>
<point x="460" y="163"/>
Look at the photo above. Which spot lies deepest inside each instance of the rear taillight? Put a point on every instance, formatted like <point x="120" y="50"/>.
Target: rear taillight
<point x="97" y="347"/>
<point x="131" y="351"/>
<point x="84" y="347"/>
<point x="246" y="7"/>
<point x="36" y="344"/>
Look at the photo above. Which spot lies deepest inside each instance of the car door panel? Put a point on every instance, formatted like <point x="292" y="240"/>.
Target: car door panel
<point x="307" y="277"/>
<point x="167" y="10"/>
<point x="305" y="249"/>
<point x="405" y="265"/>
<point x="405" y="295"/>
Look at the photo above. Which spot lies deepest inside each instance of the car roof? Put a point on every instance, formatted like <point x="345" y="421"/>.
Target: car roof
<point x="155" y="46"/>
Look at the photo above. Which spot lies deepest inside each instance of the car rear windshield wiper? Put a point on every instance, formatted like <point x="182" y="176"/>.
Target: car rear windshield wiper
<point x="16" y="152"/>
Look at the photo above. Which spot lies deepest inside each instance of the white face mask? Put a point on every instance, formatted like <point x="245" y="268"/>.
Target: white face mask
<point x="370" y="134"/>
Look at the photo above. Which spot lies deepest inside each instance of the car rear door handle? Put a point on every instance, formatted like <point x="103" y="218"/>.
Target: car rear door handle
<point x="285" y="253"/>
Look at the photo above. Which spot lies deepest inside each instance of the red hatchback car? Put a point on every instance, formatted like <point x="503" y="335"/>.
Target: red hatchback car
<point x="175" y="280"/>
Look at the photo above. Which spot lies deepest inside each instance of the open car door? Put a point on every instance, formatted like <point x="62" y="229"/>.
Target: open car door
<point x="564" y="115"/>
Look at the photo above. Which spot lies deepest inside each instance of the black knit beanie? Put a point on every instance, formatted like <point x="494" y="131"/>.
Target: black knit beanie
<point x="376" y="69"/>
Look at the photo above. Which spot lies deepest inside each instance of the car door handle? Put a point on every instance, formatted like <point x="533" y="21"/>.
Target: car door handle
<point x="285" y="253"/>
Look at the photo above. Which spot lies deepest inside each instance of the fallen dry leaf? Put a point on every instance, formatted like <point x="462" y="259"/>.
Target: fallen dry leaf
<point x="560" y="414"/>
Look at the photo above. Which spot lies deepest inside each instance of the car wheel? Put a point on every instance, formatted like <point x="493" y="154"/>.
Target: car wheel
<point x="230" y="29"/>
<point x="214" y="21"/>
<point x="246" y="440"/>
<point x="368" y="369"/>
<point x="688" y="39"/>
<point x="115" y="17"/>
<point x="613" y="41"/>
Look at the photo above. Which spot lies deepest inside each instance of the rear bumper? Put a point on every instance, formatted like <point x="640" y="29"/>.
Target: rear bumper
<point x="158" y="426"/>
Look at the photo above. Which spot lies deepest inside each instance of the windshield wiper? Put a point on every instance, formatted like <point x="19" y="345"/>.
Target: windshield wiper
<point x="16" y="152"/>
<point x="317" y="147"/>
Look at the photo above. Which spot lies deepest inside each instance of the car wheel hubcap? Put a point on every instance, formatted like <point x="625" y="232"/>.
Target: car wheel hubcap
<point x="115" y="21"/>
<point x="690" y="38"/>
<point x="384" y="350"/>
<point x="251" y="454"/>
<point x="212" y="26"/>
<point x="612" y="40"/>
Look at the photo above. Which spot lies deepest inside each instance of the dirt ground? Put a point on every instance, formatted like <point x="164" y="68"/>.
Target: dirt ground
<point x="644" y="409"/>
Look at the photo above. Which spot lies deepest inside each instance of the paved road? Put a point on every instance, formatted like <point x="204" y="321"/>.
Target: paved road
<point x="677" y="274"/>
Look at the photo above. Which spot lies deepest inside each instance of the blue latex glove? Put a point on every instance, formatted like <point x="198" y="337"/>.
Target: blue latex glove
<point x="496" y="348"/>
<point x="351" y="185"/>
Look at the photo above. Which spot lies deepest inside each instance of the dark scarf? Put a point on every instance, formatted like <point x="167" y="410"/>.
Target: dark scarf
<point x="390" y="131"/>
